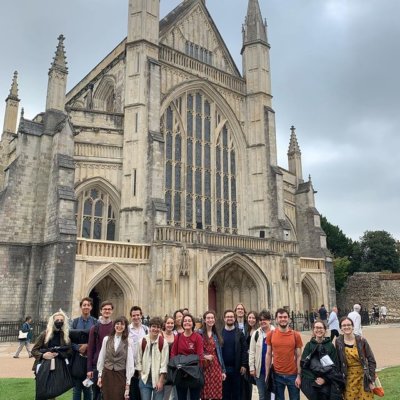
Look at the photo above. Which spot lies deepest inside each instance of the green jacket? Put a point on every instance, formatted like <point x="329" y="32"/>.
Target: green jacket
<point x="310" y="347"/>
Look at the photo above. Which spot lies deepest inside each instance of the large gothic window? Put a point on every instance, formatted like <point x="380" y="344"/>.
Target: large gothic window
<point x="200" y="169"/>
<point x="95" y="215"/>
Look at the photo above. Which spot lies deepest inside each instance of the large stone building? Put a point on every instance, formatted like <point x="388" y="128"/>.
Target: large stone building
<point x="154" y="181"/>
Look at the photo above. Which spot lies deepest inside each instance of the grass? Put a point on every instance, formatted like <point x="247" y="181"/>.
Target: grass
<point x="24" y="389"/>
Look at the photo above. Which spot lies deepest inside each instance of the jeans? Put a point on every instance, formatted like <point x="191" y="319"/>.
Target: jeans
<point x="134" y="392"/>
<point x="147" y="391"/>
<point x="262" y="388"/>
<point x="78" y="389"/>
<point x="23" y="343"/>
<point x="282" y="381"/>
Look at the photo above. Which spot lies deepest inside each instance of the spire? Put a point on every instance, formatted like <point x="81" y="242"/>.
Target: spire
<point x="14" y="88"/>
<point x="294" y="156"/>
<point x="60" y="60"/>
<point x="57" y="83"/>
<point x="11" y="111"/>
<point x="294" y="147"/>
<point x="254" y="28"/>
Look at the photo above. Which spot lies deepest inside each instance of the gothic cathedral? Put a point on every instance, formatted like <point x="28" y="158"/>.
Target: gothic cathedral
<point x="154" y="181"/>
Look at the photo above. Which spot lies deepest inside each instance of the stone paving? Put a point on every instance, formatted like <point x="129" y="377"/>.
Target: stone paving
<point x="384" y="341"/>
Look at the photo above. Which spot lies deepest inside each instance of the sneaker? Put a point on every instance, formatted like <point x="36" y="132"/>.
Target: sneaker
<point x="15" y="357"/>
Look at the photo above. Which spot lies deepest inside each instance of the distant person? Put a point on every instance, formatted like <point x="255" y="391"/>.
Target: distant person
<point x="356" y="318"/>
<point x="383" y="313"/>
<point x="333" y="323"/>
<point x="25" y="328"/>
<point x="178" y="316"/>
<point x="375" y="313"/>
<point x="323" y="314"/>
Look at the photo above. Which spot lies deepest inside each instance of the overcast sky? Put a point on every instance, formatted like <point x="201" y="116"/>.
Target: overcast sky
<point x="335" y="76"/>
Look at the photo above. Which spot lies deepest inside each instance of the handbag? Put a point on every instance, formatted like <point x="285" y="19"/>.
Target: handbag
<point x="22" y="335"/>
<point x="78" y="366"/>
<point x="378" y="389"/>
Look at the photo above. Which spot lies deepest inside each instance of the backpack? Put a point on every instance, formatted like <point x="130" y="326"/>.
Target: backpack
<point x="160" y="343"/>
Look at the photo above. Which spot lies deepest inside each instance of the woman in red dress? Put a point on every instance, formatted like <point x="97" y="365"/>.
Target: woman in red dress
<point x="213" y="364"/>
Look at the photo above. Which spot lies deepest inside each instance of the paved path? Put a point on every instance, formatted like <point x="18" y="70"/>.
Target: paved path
<point x="384" y="341"/>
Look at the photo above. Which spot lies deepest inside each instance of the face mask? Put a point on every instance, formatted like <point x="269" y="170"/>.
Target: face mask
<point x="59" y="324"/>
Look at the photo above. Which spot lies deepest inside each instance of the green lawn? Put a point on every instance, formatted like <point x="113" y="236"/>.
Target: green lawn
<point x="23" y="389"/>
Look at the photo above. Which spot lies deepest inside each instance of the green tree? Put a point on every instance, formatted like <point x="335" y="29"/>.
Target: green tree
<point x="378" y="251"/>
<point x="341" y="267"/>
<point x="337" y="242"/>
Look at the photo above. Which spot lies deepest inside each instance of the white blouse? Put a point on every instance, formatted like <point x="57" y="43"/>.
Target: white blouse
<point x="130" y="365"/>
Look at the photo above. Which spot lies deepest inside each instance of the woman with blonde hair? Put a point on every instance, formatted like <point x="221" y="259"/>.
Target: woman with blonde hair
<point x="53" y="343"/>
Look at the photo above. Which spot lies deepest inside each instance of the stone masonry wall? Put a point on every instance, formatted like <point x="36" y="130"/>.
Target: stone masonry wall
<point x="369" y="288"/>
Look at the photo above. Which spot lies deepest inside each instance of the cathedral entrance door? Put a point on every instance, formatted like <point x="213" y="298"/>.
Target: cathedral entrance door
<point x="231" y="285"/>
<point x="108" y="289"/>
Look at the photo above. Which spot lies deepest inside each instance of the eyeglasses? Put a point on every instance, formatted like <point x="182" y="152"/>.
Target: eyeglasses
<point x="107" y="309"/>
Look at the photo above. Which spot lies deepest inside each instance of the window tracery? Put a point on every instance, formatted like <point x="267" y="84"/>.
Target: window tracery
<point x="96" y="216"/>
<point x="200" y="166"/>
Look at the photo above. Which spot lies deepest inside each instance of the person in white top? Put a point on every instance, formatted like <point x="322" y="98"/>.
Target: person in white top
<point x="151" y="362"/>
<point x="333" y="323"/>
<point x="115" y="363"/>
<point x="257" y="352"/>
<point x="136" y="331"/>
<point x="356" y="318"/>
<point x="383" y="313"/>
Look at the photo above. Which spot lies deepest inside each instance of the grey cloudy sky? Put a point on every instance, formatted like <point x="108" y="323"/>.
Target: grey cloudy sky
<point x="335" y="76"/>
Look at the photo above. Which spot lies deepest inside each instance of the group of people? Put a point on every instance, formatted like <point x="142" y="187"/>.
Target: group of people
<point x="129" y="360"/>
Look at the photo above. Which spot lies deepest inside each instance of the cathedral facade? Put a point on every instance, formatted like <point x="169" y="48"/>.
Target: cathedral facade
<point x="154" y="181"/>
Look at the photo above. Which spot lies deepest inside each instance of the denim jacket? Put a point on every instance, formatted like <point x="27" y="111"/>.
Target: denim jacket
<point x="217" y="348"/>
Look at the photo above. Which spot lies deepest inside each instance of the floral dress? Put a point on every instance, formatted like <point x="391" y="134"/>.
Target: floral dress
<point x="355" y="375"/>
<point x="212" y="388"/>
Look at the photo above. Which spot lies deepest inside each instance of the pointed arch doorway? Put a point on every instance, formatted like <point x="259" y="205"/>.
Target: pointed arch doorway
<point x="230" y="285"/>
<point x="108" y="289"/>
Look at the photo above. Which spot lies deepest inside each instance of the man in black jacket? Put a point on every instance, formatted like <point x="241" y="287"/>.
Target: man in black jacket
<point x="234" y="353"/>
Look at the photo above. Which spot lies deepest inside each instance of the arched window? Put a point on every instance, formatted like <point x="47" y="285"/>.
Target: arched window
<point x="95" y="215"/>
<point x="200" y="165"/>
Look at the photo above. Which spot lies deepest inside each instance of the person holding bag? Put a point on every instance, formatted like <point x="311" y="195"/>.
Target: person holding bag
<point x="51" y="352"/>
<point x="188" y="343"/>
<point x="25" y="337"/>
<point x="319" y="367"/>
<point x="357" y="362"/>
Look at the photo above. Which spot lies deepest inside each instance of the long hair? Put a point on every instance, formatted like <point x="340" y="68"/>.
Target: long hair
<point x="125" y="333"/>
<point x="213" y="328"/>
<point x="51" y="328"/>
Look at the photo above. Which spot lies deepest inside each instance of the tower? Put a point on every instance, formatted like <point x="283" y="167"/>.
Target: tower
<point x="142" y="165"/>
<point x="260" y="123"/>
